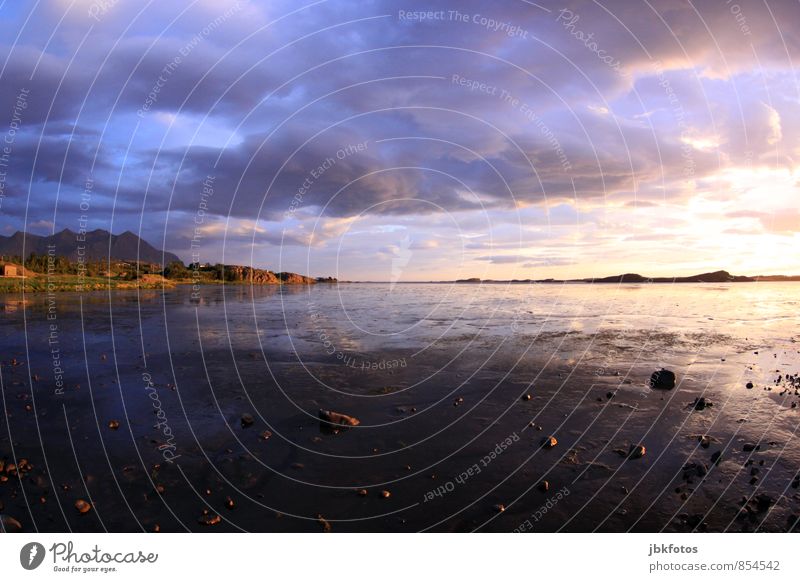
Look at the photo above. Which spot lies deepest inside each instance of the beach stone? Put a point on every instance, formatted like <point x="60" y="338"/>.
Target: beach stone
<point x="526" y="397"/>
<point x="247" y="420"/>
<point x="701" y="403"/>
<point x="499" y="508"/>
<point x="9" y="524"/>
<point x="662" y="379"/>
<point x="748" y="447"/>
<point x="362" y="492"/>
<point x="749" y="386"/>
<point x="326" y="525"/>
<point x="694" y="520"/>
<point x="386" y="494"/>
<point x="705" y="441"/>
<point x="83" y="506"/>
<point x="694" y="469"/>
<point x="549" y="442"/>
<point x="544" y="486"/>
<point x="209" y="520"/>
<point x="113" y="424"/>
<point x="764" y="501"/>
<point x="716" y="458"/>
<point x="637" y="452"/>
<point x="338" y="418"/>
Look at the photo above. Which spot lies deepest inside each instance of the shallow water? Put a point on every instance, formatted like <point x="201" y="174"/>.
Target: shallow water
<point x="436" y="374"/>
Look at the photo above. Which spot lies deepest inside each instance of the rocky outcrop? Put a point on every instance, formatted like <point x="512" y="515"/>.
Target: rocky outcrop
<point x="295" y="279"/>
<point x="243" y="274"/>
<point x="238" y="273"/>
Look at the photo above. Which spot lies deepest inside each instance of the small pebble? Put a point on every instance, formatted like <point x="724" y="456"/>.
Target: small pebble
<point x="83" y="506"/>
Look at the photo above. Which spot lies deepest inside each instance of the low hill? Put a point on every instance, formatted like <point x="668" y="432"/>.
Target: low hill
<point x="715" y="277"/>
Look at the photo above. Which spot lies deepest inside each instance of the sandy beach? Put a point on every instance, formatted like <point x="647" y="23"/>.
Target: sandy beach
<point x="171" y="414"/>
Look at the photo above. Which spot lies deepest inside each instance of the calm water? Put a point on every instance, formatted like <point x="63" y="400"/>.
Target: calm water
<point x="435" y="373"/>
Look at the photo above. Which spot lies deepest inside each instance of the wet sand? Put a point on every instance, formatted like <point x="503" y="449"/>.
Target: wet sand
<point x="451" y="429"/>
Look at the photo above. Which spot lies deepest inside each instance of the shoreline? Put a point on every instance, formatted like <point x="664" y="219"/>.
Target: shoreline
<point x="168" y="285"/>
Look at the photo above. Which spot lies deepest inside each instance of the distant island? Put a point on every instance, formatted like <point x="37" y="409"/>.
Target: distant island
<point x="715" y="277"/>
<point x="97" y="260"/>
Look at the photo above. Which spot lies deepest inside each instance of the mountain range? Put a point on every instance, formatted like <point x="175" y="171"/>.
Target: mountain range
<point x="97" y="245"/>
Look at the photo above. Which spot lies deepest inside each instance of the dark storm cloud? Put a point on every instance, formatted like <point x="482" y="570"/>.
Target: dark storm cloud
<point x="499" y="105"/>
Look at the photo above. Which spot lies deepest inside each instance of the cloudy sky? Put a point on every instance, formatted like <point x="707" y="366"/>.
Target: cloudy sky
<point x="403" y="140"/>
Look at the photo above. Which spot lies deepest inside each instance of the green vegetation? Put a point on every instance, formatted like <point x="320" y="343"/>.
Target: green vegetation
<point x="45" y="273"/>
<point x="59" y="283"/>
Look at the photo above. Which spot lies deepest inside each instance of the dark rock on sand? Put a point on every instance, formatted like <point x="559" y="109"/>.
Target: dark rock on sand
<point x="701" y="403"/>
<point x="544" y="486"/>
<point x="247" y="420"/>
<point x="335" y="420"/>
<point x="637" y="452"/>
<point x="662" y="379"/>
<point x="748" y="447"/>
<point x="694" y="470"/>
<point x="764" y="502"/>
<point x="83" y="506"/>
<point x="549" y="442"/>
<point x="716" y="458"/>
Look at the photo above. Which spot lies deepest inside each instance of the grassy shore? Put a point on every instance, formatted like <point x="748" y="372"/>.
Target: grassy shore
<point x="66" y="283"/>
<point x="73" y="283"/>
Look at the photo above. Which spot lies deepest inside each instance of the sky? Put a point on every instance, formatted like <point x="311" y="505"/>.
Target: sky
<point x="410" y="141"/>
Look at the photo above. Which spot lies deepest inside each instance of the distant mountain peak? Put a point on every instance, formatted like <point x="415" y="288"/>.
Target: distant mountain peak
<point x="99" y="245"/>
